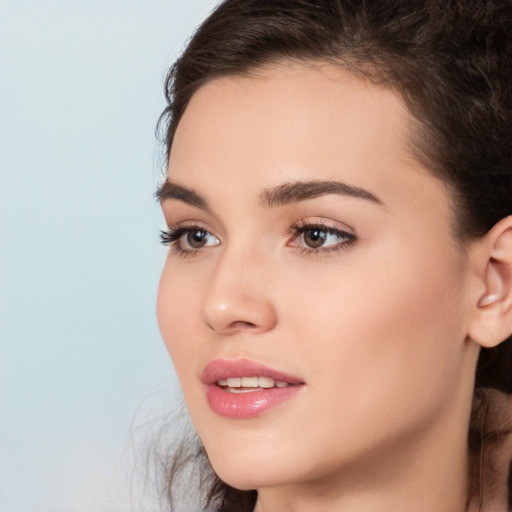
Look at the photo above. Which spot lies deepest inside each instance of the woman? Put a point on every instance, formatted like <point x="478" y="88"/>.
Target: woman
<point x="339" y="201"/>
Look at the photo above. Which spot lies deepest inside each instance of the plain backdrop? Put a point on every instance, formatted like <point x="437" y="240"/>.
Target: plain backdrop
<point x="82" y="365"/>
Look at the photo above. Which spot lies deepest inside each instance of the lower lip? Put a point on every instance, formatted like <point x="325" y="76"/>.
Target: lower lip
<point x="248" y="404"/>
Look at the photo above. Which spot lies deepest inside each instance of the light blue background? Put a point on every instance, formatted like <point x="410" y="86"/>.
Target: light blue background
<point x="80" y="94"/>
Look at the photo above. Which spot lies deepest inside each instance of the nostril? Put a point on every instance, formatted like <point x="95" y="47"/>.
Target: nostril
<point x="240" y="324"/>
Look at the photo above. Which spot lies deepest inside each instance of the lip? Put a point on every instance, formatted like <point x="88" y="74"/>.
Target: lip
<point x="250" y="404"/>
<point x="224" y="368"/>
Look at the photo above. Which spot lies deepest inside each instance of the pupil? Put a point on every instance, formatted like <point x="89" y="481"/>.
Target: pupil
<point x="315" y="235"/>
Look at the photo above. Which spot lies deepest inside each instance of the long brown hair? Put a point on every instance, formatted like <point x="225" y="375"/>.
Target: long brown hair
<point x="451" y="61"/>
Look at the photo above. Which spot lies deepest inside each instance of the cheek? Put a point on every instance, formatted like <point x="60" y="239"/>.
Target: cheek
<point x="388" y="328"/>
<point x="177" y="304"/>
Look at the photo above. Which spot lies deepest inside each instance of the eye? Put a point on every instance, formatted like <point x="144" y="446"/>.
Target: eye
<point x="197" y="239"/>
<point x="188" y="239"/>
<point x="315" y="238"/>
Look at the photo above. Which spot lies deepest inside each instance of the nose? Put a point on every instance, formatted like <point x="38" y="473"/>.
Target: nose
<point x="238" y="297"/>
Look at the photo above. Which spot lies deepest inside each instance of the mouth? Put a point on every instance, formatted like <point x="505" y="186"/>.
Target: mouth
<point x="245" y="389"/>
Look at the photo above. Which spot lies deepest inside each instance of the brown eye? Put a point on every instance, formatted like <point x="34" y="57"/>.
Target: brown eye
<point x="184" y="239"/>
<point x="196" y="239"/>
<point x="314" y="237"/>
<point x="321" y="239"/>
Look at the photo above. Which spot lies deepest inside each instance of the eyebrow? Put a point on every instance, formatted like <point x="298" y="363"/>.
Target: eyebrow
<point x="170" y="190"/>
<point x="302" y="190"/>
<point x="281" y="195"/>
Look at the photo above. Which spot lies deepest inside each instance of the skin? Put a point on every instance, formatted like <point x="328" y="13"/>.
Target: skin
<point x="378" y="330"/>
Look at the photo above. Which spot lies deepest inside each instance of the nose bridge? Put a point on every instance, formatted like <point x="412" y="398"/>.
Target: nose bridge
<point x="237" y="297"/>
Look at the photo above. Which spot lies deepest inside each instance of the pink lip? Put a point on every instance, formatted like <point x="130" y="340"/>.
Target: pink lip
<point x="250" y="404"/>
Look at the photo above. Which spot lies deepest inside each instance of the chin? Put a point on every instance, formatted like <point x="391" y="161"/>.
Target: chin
<point x="248" y="469"/>
<point x="247" y="478"/>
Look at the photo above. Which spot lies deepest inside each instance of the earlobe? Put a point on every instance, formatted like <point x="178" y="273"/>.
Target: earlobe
<point x="492" y="319"/>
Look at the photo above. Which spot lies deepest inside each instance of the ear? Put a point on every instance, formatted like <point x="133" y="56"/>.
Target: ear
<point x="491" y="322"/>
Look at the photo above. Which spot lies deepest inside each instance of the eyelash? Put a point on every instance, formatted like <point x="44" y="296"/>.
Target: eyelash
<point x="173" y="236"/>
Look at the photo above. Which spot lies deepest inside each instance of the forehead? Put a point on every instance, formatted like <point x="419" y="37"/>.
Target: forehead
<point x="274" y="110"/>
<point x="294" y="122"/>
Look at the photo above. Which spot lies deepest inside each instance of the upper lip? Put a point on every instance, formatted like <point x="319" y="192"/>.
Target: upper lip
<point x="219" y="369"/>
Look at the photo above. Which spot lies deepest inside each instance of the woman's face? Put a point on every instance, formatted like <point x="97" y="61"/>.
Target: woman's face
<point x="311" y="252"/>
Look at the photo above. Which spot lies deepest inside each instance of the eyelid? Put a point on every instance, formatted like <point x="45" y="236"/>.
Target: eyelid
<point x="325" y="223"/>
<point x="190" y="224"/>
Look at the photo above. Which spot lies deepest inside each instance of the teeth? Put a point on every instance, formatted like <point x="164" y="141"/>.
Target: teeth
<point x="265" y="382"/>
<point x="251" y="383"/>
